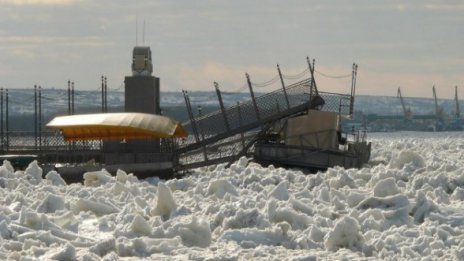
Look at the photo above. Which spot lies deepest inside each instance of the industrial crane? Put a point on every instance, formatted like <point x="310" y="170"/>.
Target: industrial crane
<point x="457" y="124"/>
<point x="438" y="110"/>
<point x="407" y="112"/>
<point x="439" y="113"/>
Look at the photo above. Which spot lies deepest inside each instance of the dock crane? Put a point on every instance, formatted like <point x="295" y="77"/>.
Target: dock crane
<point x="457" y="125"/>
<point x="407" y="112"/>
<point x="439" y="114"/>
<point x="438" y="110"/>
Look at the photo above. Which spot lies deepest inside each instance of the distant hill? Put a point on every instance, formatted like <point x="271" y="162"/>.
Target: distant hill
<point x="55" y="102"/>
<point x="388" y="105"/>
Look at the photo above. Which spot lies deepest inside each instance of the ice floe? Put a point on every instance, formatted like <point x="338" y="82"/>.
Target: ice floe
<point x="407" y="203"/>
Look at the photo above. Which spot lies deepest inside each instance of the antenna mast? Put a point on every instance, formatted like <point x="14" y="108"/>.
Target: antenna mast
<point x="143" y="34"/>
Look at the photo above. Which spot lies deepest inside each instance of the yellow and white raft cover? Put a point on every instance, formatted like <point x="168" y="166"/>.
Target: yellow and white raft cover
<point x="117" y="126"/>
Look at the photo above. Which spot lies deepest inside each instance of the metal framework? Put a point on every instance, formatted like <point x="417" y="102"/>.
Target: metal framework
<point x="229" y="133"/>
<point x="221" y="136"/>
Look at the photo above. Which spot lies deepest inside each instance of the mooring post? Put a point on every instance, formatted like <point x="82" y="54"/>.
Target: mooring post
<point x="253" y="97"/>
<point x="283" y="86"/>
<point x="221" y="104"/>
<point x="239" y="112"/>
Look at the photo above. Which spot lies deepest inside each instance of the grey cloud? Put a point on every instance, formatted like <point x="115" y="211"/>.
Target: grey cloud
<point x="98" y="36"/>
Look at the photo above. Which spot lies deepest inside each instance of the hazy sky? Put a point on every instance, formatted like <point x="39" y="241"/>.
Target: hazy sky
<point x="412" y="44"/>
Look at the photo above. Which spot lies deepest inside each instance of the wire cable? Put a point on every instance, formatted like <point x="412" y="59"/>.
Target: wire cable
<point x="27" y="101"/>
<point x="334" y="76"/>
<point x="239" y="89"/>
<point x="296" y="76"/>
<point x="117" y="89"/>
<point x="264" y="84"/>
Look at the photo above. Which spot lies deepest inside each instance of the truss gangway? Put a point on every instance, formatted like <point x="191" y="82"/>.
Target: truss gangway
<point x="226" y="134"/>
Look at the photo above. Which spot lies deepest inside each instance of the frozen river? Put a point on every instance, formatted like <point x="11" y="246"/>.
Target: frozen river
<point x="407" y="204"/>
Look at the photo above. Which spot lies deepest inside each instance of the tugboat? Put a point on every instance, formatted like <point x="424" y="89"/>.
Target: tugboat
<point x="312" y="141"/>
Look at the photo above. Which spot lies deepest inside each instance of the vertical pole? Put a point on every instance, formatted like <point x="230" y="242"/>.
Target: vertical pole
<point x="1" y="115"/>
<point x="69" y="105"/>
<point x="106" y="94"/>
<point x="72" y="98"/>
<point x="205" y="155"/>
<point x="352" y="81"/>
<point x="240" y="122"/>
<point x="35" y="116"/>
<point x="102" y="102"/>
<point x="353" y="87"/>
<point x="103" y="93"/>
<point x="340" y="108"/>
<point x="253" y="97"/>
<point x="69" y="97"/>
<point x="40" y="117"/>
<point x="72" y="112"/>
<point x="190" y="113"/>
<point x="313" y="81"/>
<point x="221" y="104"/>
<point x="7" y="126"/>
<point x="283" y="86"/>
<point x="200" y="113"/>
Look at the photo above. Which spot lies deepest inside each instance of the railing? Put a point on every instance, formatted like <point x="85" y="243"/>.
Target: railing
<point x="336" y="102"/>
<point x="42" y="141"/>
<point x="219" y="152"/>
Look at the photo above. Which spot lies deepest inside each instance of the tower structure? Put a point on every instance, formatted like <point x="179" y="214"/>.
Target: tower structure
<point x="142" y="89"/>
<point x="141" y="94"/>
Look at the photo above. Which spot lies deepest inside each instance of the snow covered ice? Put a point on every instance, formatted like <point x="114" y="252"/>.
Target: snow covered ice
<point x="407" y="204"/>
